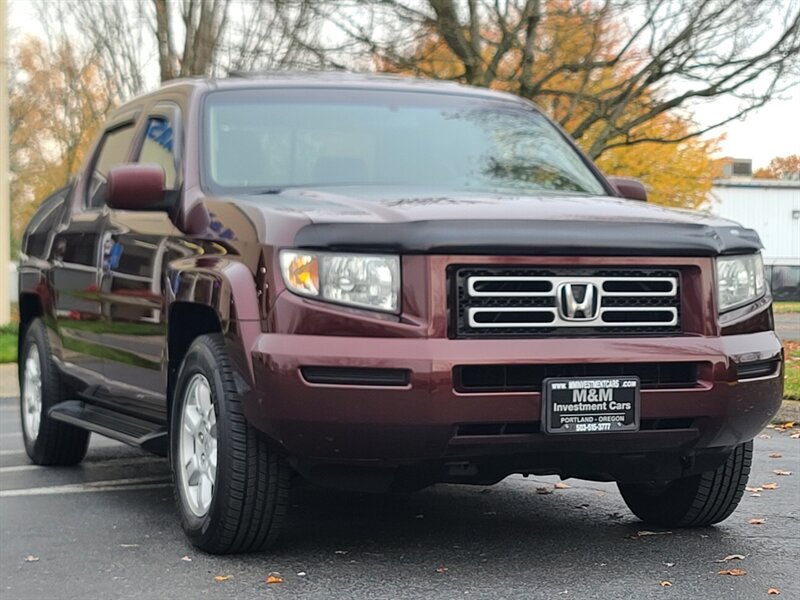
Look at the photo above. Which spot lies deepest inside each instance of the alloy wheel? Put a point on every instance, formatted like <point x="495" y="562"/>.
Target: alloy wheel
<point x="198" y="446"/>
<point x="32" y="393"/>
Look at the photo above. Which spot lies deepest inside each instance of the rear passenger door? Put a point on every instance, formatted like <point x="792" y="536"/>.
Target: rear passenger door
<point x="133" y="279"/>
<point x="76" y="257"/>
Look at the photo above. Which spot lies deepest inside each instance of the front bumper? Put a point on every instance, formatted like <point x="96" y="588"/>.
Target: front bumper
<point x="420" y="421"/>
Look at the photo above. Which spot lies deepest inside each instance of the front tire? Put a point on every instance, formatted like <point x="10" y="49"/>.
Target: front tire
<point x="47" y="441"/>
<point x="695" y="501"/>
<point x="231" y="485"/>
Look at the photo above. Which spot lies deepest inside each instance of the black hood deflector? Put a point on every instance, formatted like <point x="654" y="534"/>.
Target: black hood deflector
<point x="577" y="238"/>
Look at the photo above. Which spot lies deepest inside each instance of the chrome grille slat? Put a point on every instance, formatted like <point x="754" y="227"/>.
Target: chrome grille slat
<point x="499" y="301"/>
<point x="475" y="323"/>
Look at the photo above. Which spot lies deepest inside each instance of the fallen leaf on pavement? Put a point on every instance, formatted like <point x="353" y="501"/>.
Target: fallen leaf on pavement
<point x="301" y="573"/>
<point x="31" y="558"/>
<point x="644" y="533"/>
<point x="776" y="455"/>
<point x="732" y="557"/>
<point x="755" y="495"/>
<point x="770" y="426"/>
<point x="665" y="584"/>
<point x="561" y="486"/>
<point x="770" y="486"/>
<point x="543" y="491"/>
<point x="274" y="578"/>
<point x="773" y="592"/>
<point x="757" y="521"/>
<point x="782" y="472"/>
<point x="441" y="569"/>
<point x="669" y="564"/>
<point x="764" y="436"/>
<point x="186" y="559"/>
<point x="221" y="578"/>
<point x="755" y="490"/>
<point x="733" y="572"/>
<point x="794" y="436"/>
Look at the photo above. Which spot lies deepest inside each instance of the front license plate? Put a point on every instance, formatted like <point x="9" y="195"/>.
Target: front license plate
<point x="590" y="404"/>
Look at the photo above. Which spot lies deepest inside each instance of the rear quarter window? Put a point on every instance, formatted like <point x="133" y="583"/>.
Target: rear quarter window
<point x="36" y="241"/>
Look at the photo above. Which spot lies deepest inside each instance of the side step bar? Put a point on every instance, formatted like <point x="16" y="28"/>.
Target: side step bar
<point x="124" y="428"/>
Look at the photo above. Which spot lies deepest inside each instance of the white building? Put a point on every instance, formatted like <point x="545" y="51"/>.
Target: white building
<point x="772" y="208"/>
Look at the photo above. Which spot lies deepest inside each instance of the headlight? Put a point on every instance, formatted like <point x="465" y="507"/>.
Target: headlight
<point x="367" y="281"/>
<point x="740" y="280"/>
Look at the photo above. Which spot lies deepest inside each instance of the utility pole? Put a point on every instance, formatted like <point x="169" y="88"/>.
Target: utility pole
<point x="5" y="204"/>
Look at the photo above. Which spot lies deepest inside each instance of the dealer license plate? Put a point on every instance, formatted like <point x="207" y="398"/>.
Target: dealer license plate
<point x="590" y="404"/>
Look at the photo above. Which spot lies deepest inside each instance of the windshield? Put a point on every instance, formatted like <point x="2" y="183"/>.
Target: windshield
<point x="261" y="141"/>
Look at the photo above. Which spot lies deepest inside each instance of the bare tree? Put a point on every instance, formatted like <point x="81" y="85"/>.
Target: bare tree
<point x="188" y="37"/>
<point x="669" y="55"/>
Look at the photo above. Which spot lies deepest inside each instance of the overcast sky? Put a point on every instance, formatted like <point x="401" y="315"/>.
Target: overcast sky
<point x="773" y="130"/>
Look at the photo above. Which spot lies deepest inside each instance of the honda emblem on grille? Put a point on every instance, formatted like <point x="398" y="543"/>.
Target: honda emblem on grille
<point x="578" y="301"/>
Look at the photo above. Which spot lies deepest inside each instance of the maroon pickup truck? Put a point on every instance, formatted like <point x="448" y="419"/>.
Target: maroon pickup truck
<point x="380" y="284"/>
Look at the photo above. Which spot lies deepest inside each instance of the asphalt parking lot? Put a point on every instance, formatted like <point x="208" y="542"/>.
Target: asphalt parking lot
<point x="108" y="529"/>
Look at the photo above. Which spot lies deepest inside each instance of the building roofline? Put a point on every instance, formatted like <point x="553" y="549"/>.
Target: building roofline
<point x="784" y="184"/>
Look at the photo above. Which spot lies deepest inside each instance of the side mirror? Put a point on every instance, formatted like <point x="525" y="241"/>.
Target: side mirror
<point x="136" y="187"/>
<point x="632" y="189"/>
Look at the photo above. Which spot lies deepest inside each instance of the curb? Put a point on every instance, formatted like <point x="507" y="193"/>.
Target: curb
<point x="9" y="386"/>
<point x="789" y="411"/>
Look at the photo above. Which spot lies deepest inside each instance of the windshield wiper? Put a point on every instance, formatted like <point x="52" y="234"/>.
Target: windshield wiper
<point x="315" y="185"/>
<point x="265" y="191"/>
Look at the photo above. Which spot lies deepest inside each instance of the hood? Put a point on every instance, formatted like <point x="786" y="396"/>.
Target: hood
<point x="412" y="220"/>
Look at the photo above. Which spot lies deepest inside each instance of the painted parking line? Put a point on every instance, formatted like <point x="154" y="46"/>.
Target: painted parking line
<point x="111" y="485"/>
<point x="111" y="462"/>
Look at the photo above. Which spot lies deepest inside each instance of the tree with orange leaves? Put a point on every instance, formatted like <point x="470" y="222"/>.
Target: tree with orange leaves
<point x="781" y="167"/>
<point x="57" y="104"/>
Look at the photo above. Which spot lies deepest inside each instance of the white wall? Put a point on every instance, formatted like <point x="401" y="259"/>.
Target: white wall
<point x="768" y="210"/>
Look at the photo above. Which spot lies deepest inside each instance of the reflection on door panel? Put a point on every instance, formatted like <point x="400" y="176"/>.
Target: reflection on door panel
<point x="135" y="336"/>
<point x="76" y="280"/>
<point x="135" y="284"/>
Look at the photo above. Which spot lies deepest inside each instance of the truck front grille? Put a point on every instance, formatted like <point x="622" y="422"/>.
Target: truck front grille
<point x="481" y="379"/>
<point x="504" y="302"/>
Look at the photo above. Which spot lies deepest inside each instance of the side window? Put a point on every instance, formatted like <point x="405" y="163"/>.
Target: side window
<point x="158" y="148"/>
<point x="113" y="151"/>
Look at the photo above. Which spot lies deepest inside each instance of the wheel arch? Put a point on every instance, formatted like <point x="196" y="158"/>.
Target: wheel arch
<point x="211" y="295"/>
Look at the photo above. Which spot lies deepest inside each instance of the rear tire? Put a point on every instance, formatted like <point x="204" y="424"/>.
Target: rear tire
<point x="47" y="441"/>
<point x="211" y="444"/>
<point x="695" y="501"/>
